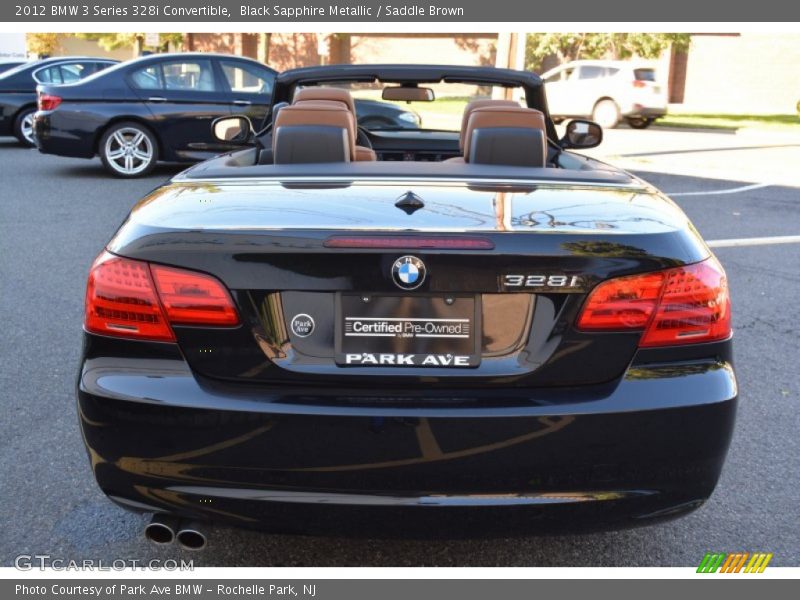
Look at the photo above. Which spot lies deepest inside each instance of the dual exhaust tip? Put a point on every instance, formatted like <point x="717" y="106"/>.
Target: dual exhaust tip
<point x="164" y="529"/>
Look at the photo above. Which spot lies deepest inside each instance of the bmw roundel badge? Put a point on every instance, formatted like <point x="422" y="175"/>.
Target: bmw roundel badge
<point x="408" y="272"/>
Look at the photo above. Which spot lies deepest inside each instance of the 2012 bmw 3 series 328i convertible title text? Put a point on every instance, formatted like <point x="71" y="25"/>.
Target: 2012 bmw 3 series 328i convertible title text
<point x="426" y="332"/>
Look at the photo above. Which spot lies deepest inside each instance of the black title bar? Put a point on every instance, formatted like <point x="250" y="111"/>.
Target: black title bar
<point x="526" y="12"/>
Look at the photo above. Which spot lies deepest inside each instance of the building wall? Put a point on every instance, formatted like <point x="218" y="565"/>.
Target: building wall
<point x="292" y="50"/>
<point x="71" y="46"/>
<point x="447" y="49"/>
<point x="748" y="73"/>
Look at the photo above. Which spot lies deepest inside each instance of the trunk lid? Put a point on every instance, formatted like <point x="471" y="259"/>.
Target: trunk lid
<point x="269" y="243"/>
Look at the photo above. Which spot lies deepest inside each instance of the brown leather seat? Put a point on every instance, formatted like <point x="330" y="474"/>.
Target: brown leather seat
<point x="468" y="110"/>
<point x="475" y="105"/>
<point x="329" y="114"/>
<point x="337" y="95"/>
<point x="491" y="117"/>
<point x="326" y="93"/>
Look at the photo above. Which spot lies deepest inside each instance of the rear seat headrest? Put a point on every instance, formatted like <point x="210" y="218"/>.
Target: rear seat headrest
<point x="474" y="105"/>
<point x="501" y="116"/>
<point x="510" y="146"/>
<point x="310" y="144"/>
<point x="328" y="114"/>
<point x="326" y="93"/>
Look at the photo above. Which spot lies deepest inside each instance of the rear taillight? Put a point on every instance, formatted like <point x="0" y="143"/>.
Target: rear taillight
<point x="48" y="101"/>
<point x="130" y="298"/>
<point x="637" y="83"/>
<point x="121" y="300"/>
<point x="624" y="303"/>
<point x="695" y="306"/>
<point x="684" y="305"/>
<point x="191" y="298"/>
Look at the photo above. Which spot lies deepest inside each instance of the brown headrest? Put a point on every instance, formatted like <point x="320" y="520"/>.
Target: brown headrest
<point x="326" y="93"/>
<point x="474" y="105"/>
<point x="332" y="114"/>
<point x="502" y="116"/>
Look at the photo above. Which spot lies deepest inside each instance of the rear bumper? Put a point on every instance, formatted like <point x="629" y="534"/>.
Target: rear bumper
<point x="646" y="112"/>
<point x="60" y="134"/>
<point x="334" y="462"/>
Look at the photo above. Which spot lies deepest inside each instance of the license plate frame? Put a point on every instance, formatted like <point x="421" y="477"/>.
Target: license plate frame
<point x="401" y="330"/>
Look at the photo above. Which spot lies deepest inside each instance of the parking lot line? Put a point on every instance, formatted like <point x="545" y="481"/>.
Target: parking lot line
<point x="756" y="241"/>
<point x="737" y="190"/>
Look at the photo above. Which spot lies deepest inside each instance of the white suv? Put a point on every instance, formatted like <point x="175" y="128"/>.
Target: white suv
<point x="606" y="91"/>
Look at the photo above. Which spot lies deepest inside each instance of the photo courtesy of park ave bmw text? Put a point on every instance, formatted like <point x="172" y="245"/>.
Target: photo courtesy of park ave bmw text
<point x="398" y="287"/>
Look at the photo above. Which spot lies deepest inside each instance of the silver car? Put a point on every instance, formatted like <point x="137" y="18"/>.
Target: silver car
<point x="607" y="91"/>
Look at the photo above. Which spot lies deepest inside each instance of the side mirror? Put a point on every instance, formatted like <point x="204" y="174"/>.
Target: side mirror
<point x="232" y="130"/>
<point x="582" y="134"/>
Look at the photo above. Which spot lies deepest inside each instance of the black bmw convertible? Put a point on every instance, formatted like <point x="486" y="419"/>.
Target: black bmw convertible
<point x="421" y="332"/>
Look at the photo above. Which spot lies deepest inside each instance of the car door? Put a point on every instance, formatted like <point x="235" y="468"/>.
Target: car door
<point x="184" y="95"/>
<point x="587" y="86"/>
<point x="250" y="87"/>
<point x="557" y="90"/>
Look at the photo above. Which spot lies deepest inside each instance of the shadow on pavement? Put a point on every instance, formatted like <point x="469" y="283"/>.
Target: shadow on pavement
<point x="93" y="169"/>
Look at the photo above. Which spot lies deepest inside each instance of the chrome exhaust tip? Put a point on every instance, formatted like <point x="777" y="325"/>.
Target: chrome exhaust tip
<point x="161" y="529"/>
<point x="190" y="537"/>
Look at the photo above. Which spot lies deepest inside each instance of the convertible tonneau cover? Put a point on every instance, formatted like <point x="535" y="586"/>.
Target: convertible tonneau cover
<point x="225" y="167"/>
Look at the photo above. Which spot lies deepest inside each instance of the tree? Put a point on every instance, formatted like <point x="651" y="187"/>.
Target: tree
<point x="264" y="41"/>
<point x="114" y="41"/>
<point x="573" y="46"/>
<point x="42" y="44"/>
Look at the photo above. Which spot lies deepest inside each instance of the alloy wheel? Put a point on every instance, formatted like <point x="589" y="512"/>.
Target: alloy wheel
<point x="26" y="128"/>
<point x="606" y="114"/>
<point x="129" y="151"/>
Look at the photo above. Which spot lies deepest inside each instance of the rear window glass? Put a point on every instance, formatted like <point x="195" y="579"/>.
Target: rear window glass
<point x="71" y="73"/>
<point x="67" y="73"/>
<point x="148" y="78"/>
<point x="591" y="72"/>
<point x="196" y="76"/>
<point x="644" y="74"/>
<point x="247" y="79"/>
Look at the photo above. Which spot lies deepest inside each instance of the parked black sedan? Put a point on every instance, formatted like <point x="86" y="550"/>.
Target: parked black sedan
<point x="160" y="107"/>
<point x="18" y="89"/>
<point x="7" y="65"/>
<point x="374" y="115"/>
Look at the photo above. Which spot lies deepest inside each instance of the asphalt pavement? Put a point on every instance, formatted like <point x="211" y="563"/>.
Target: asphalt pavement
<point x="57" y="213"/>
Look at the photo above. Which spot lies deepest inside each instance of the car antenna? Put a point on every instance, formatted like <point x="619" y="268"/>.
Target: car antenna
<point x="409" y="203"/>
